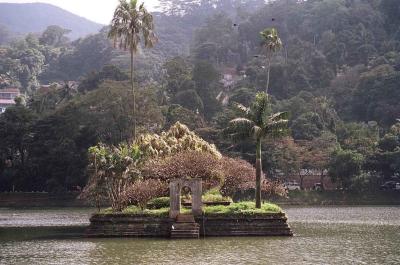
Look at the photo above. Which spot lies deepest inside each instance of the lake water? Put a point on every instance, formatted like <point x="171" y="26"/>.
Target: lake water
<point x="323" y="235"/>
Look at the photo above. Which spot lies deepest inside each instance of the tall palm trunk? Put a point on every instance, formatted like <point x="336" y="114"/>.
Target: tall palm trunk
<point x="269" y="57"/>
<point x="134" y="99"/>
<point x="258" y="174"/>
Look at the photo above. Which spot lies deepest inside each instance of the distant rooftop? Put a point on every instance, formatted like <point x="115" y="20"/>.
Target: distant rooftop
<point x="9" y="90"/>
<point x="7" y="101"/>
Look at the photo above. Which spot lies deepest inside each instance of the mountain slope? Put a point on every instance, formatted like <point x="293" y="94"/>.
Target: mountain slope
<point x="35" y="17"/>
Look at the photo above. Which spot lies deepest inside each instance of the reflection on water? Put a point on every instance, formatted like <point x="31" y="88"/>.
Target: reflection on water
<point x="44" y="217"/>
<point x="331" y="235"/>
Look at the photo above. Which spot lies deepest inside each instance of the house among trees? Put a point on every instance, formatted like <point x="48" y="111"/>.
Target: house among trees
<point x="7" y="96"/>
<point x="229" y="80"/>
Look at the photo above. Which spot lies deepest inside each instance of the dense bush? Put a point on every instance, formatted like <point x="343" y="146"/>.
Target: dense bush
<point x="240" y="176"/>
<point x="237" y="172"/>
<point x="214" y="195"/>
<point x="140" y="172"/>
<point x="242" y="208"/>
<point x="188" y="164"/>
<point x="112" y="171"/>
<point x="177" y="139"/>
<point x="158" y="203"/>
<point x="234" y="209"/>
<point x="142" y="191"/>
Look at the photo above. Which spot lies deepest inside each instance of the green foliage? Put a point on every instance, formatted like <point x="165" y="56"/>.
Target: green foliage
<point x="360" y="137"/>
<point x="23" y="61"/>
<point x="15" y="137"/>
<point x="258" y="121"/>
<point x="376" y="96"/>
<point x="54" y="36"/>
<point x="204" y="74"/>
<point x="337" y="72"/>
<point x="158" y="203"/>
<point x="130" y="23"/>
<point x="241" y="209"/>
<point x="56" y="142"/>
<point x="271" y="39"/>
<point x="214" y="195"/>
<point x="135" y="210"/>
<point x="93" y="80"/>
<point x="177" y="113"/>
<point x="189" y="99"/>
<point x="113" y="169"/>
<point x="386" y="158"/>
<point x="307" y="126"/>
<point x="178" y="72"/>
<point x="234" y="209"/>
<point x="216" y="41"/>
<point x="86" y="55"/>
<point x="345" y="165"/>
<point x="177" y="139"/>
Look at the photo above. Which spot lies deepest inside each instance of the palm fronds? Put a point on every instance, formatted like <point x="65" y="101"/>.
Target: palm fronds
<point x="259" y="121"/>
<point x="129" y="24"/>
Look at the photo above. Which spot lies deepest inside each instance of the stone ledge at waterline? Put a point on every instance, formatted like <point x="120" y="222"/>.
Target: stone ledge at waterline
<point x="130" y="225"/>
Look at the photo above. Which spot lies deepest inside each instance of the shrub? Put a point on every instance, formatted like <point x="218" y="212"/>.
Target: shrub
<point x="240" y="176"/>
<point x="214" y="195"/>
<point x="188" y="164"/>
<point x="176" y="113"/>
<point x="177" y="139"/>
<point x="142" y="191"/>
<point x="237" y="172"/>
<point x="189" y="99"/>
<point x="158" y="203"/>
<point x="115" y="168"/>
<point x="135" y="210"/>
<point x="242" y="208"/>
<point x="112" y="169"/>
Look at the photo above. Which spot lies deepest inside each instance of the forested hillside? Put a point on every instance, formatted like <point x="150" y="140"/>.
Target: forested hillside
<point x="36" y="17"/>
<point x="337" y="74"/>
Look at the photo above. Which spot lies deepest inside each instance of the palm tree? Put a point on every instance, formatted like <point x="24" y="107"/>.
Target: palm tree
<point x="258" y="123"/>
<point x="130" y="23"/>
<point x="272" y="43"/>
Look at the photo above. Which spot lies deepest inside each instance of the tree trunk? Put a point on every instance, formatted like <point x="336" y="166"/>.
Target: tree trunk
<point x="301" y="181"/>
<point x="322" y="180"/>
<point x="134" y="99"/>
<point x="268" y="70"/>
<point x="97" y="200"/>
<point x="258" y="174"/>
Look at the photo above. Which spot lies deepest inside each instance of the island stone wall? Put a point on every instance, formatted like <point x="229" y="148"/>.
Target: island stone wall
<point x="125" y="225"/>
<point x="260" y="225"/>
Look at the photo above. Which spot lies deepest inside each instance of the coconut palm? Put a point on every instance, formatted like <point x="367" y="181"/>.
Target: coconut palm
<point x="272" y="43"/>
<point x="132" y="24"/>
<point x="258" y="123"/>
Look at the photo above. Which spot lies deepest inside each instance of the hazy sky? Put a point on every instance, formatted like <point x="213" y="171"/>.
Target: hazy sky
<point x="99" y="11"/>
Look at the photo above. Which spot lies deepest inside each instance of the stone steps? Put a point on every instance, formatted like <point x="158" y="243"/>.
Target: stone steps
<point x="185" y="227"/>
<point x="185" y="218"/>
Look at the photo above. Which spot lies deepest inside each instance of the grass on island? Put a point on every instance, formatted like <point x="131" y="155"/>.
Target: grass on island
<point x="214" y="195"/>
<point x="241" y="208"/>
<point x="234" y="209"/>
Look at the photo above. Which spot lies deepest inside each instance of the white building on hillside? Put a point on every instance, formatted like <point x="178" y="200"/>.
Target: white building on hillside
<point x="7" y="96"/>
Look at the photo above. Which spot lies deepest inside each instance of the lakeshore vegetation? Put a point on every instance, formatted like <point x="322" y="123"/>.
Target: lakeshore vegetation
<point x="322" y="81"/>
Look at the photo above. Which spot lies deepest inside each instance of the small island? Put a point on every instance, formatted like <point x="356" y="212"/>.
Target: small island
<point x="136" y="179"/>
<point x="234" y="219"/>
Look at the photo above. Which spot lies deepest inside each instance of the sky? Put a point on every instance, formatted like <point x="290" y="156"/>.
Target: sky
<point x="99" y="11"/>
